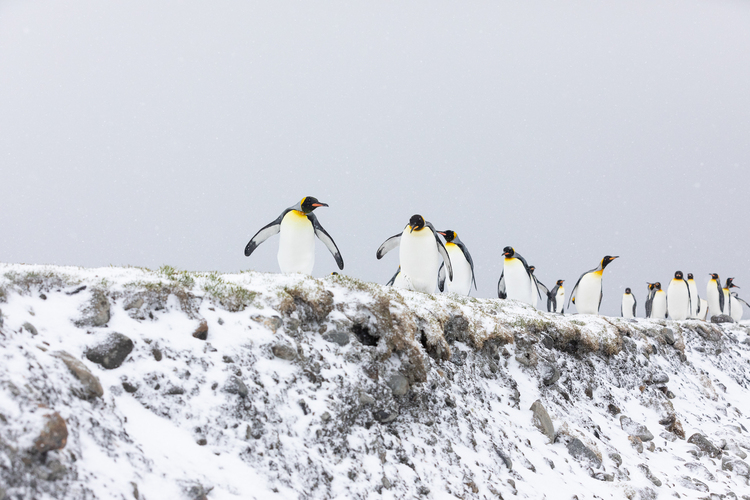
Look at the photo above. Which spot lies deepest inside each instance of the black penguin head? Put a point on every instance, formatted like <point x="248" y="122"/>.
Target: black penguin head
<point x="678" y="275"/>
<point x="627" y="291"/>
<point x="449" y="235"/>
<point x="532" y="269"/>
<point x="560" y="282"/>
<point x="650" y="286"/>
<point x="714" y="276"/>
<point x="657" y="285"/>
<point x="607" y="259"/>
<point x="310" y="203"/>
<point x="730" y="284"/>
<point x="509" y="252"/>
<point x="690" y="276"/>
<point x="416" y="223"/>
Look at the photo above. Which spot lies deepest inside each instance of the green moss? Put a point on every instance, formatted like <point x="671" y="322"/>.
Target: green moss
<point x="228" y="295"/>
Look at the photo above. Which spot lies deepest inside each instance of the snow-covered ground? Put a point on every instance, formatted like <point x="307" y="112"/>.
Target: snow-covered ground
<point x="257" y="385"/>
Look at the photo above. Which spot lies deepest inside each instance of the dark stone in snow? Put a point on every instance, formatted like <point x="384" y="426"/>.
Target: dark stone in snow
<point x="135" y="304"/>
<point x="660" y="378"/>
<point x="649" y="475"/>
<point x="398" y="384"/>
<point x="737" y="466"/>
<point x="201" y="332"/>
<point x="635" y="429"/>
<point x="156" y="353"/>
<point x="581" y="452"/>
<point x="704" y="445"/>
<point x="236" y="386"/>
<point x="54" y="434"/>
<point x="542" y="421"/>
<point x="112" y="352"/>
<point x="721" y="318"/>
<point x="550" y="373"/>
<point x="385" y="416"/>
<point x="668" y="336"/>
<point x="456" y="329"/>
<point x="97" y="313"/>
<point x="30" y="328"/>
<point x="90" y="386"/>
<point x="335" y="337"/>
<point x="284" y="351"/>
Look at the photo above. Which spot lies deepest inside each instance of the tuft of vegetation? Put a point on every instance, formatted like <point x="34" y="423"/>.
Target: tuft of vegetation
<point x="43" y="281"/>
<point x="231" y="297"/>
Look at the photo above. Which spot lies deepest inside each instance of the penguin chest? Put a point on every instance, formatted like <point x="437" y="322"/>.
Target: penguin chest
<point x="296" y="244"/>
<point x="677" y="300"/>
<point x="627" y="306"/>
<point x="461" y="283"/>
<point x="694" y="300"/>
<point x="419" y="259"/>
<point x="659" y="305"/>
<point x="559" y="300"/>
<point x="589" y="293"/>
<point x="736" y="308"/>
<point x="517" y="281"/>
<point x="712" y="294"/>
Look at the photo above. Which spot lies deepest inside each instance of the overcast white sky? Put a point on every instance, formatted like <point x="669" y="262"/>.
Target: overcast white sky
<point x="151" y="133"/>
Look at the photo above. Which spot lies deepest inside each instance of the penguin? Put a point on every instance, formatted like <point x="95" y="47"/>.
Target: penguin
<point x="420" y="253"/>
<point x="298" y="227"/>
<point x="679" y="301"/>
<point x="587" y="294"/>
<point x="659" y="302"/>
<point x="556" y="298"/>
<point x="650" y="298"/>
<point x="516" y="278"/>
<point x="397" y="276"/>
<point x="627" y="308"/>
<point x="715" y="296"/>
<point x="695" y="300"/>
<point x="536" y="288"/>
<point x="727" y="296"/>
<point x="737" y="306"/>
<point x="463" y="266"/>
<point x="703" y="309"/>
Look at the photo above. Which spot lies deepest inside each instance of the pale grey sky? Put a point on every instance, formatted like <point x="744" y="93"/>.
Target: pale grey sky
<point x="152" y="133"/>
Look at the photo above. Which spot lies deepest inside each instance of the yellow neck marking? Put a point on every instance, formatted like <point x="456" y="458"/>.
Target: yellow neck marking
<point x="599" y="273"/>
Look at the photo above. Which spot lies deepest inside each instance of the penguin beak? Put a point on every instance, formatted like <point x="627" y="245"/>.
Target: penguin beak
<point x="320" y="205"/>
<point x="411" y="229"/>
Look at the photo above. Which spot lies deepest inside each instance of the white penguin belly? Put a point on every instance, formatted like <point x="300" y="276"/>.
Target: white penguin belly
<point x="589" y="293"/>
<point x="461" y="283"/>
<point x="420" y="260"/>
<point x="726" y="301"/>
<point x="627" y="306"/>
<point x="296" y="244"/>
<point x="694" y="300"/>
<point x="559" y="300"/>
<point x="712" y="294"/>
<point x="736" y="309"/>
<point x="659" y="306"/>
<point x="516" y="280"/>
<point x="703" y="310"/>
<point x="677" y="300"/>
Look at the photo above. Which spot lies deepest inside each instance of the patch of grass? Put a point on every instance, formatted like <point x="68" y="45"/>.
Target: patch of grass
<point x="42" y="281"/>
<point x="181" y="278"/>
<point x="232" y="297"/>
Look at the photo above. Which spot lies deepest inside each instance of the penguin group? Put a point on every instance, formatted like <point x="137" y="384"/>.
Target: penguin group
<point x="430" y="259"/>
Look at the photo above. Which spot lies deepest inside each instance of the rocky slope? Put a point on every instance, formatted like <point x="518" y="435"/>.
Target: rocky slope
<point x="128" y="383"/>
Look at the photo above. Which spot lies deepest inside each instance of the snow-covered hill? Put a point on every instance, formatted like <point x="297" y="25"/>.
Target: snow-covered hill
<point x="128" y="383"/>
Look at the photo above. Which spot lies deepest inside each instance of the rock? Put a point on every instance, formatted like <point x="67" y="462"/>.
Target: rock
<point x="693" y="484"/>
<point x="704" y="445"/>
<point x="385" y="416"/>
<point x="134" y="304"/>
<point x="616" y="458"/>
<point x="635" y="429"/>
<point x="97" y="312"/>
<point x="613" y="410"/>
<point x="736" y="450"/>
<point x="601" y="476"/>
<point x="721" y="318"/>
<point x="54" y="434"/>
<point x="398" y="384"/>
<point x="668" y="335"/>
<point x="111" y="353"/>
<point x="550" y="373"/>
<point x="580" y="451"/>
<point x="365" y="399"/>
<point x="201" y="333"/>
<point x="156" y="352"/>
<point x="128" y="387"/>
<point x="456" y="329"/>
<point x="198" y="492"/>
<point x="660" y="378"/>
<point x="284" y="351"/>
<point x="737" y="466"/>
<point x="90" y="386"/>
<point x="236" y="386"/>
<point x="649" y="475"/>
<point x="700" y="470"/>
<point x="542" y="421"/>
<point x="29" y="328"/>
<point x="527" y="358"/>
<point x="505" y="458"/>
<point x="636" y="443"/>
<point x="336" y="337"/>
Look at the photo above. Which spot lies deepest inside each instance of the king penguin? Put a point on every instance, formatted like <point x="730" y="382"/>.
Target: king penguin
<point x="627" y="308"/>
<point x="420" y="253"/>
<point x="463" y="266"/>
<point x="650" y="298"/>
<point x="659" y="302"/>
<point x="298" y="227"/>
<point x="737" y="306"/>
<point x="695" y="300"/>
<point x="537" y="287"/>
<point x="556" y="298"/>
<point x="715" y="296"/>
<point x="516" y="279"/>
<point x="587" y="294"/>
<point x="679" y="301"/>
<point x="728" y="295"/>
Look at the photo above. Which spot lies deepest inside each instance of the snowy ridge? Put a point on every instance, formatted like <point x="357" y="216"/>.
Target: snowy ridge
<point x="257" y="385"/>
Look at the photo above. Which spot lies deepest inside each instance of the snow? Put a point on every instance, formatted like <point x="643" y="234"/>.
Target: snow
<point x="308" y="426"/>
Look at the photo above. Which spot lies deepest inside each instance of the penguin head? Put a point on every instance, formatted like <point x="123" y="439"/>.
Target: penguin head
<point x="607" y="259"/>
<point x="509" y="252"/>
<point x="650" y="286"/>
<point x="449" y="235"/>
<point x="310" y="203"/>
<point x="627" y="291"/>
<point x="416" y="223"/>
<point x="730" y="284"/>
<point x="714" y="276"/>
<point x="657" y="285"/>
<point x="690" y="276"/>
<point x="678" y="275"/>
<point x="532" y="269"/>
<point x="559" y="282"/>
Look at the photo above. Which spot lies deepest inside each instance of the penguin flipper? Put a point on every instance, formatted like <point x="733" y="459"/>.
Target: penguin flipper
<point x="635" y="303"/>
<point x="741" y="300"/>
<point x="393" y="279"/>
<point x="721" y="298"/>
<point x="441" y="250"/>
<point x="551" y="303"/>
<point x="264" y="233"/>
<point x="441" y="277"/>
<point x="501" y="293"/>
<point x="389" y="245"/>
<point x="326" y="239"/>
<point x="539" y="285"/>
<point x="601" y="296"/>
<point x="467" y="255"/>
